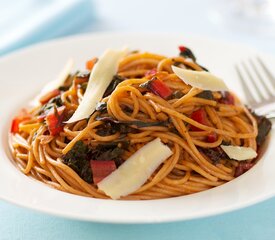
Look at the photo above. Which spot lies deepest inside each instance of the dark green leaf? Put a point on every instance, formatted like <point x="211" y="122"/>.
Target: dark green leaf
<point x="115" y="81"/>
<point x="264" y="127"/>
<point x="109" y="151"/>
<point x="77" y="159"/>
<point x="146" y="84"/>
<point x="177" y="94"/>
<point x="101" y="107"/>
<point x="187" y="53"/>
<point x="215" y="154"/>
<point x="206" y="94"/>
<point x="54" y="102"/>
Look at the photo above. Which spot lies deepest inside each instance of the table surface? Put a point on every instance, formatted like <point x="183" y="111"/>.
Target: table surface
<point x="189" y="17"/>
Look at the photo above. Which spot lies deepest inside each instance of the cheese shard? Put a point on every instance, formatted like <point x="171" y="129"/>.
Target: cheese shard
<point x="200" y="79"/>
<point x="135" y="171"/>
<point x="239" y="153"/>
<point x="100" y="78"/>
<point x="56" y="83"/>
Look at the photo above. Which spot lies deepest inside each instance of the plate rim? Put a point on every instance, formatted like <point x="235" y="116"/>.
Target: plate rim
<point x="115" y="220"/>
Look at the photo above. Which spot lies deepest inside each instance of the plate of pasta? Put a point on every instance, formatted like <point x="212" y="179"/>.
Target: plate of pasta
<point x="131" y="128"/>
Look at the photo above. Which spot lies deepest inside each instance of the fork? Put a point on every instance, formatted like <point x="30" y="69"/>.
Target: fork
<point x="258" y="85"/>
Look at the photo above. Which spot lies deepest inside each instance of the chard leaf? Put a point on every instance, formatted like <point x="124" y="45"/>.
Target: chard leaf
<point x="264" y="127"/>
<point x="77" y="159"/>
<point x="101" y="107"/>
<point x="112" y="86"/>
<point x="206" y="94"/>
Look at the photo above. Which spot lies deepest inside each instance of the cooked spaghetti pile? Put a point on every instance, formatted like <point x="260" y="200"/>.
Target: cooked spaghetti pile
<point x="145" y="100"/>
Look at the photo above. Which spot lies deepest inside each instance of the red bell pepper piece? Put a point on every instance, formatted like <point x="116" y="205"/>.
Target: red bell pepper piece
<point x="200" y="117"/>
<point x="48" y="96"/>
<point x="15" y="125"/>
<point x="227" y="98"/>
<point x="159" y="88"/>
<point x="182" y="48"/>
<point x="90" y="63"/>
<point x="243" y="167"/>
<point x="101" y="169"/>
<point x="54" y="120"/>
<point x="187" y="53"/>
<point x="23" y="116"/>
<point x="212" y="137"/>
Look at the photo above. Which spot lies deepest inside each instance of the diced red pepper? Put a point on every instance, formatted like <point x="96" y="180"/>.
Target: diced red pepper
<point x="243" y="167"/>
<point x="182" y="48"/>
<point x="101" y="169"/>
<point x="15" y="125"/>
<point x="23" y="116"/>
<point x="230" y="99"/>
<point x="90" y="63"/>
<point x="186" y="53"/>
<point x="159" y="88"/>
<point x="48" y="96"/>
<point x="212" y="137"/>
<point x="54" y="120"/>
<point x="200" y="117"/>
<point x="227" y="98"/>
<point x="151" y="72"/>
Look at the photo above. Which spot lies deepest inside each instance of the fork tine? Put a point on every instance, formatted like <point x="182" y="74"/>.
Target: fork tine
<point x="270" y="115"/>
<point x="253" y="82"/>
<point x="260" y="78"/>
<point x="245" y="86"/>
<point x="269" y="75"/>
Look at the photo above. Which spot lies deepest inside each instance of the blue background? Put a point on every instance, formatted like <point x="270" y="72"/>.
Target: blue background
<point x="190" y="17"/>
<point x="257" y="222"/>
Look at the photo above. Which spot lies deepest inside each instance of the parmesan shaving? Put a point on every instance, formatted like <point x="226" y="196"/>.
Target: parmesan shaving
<point x="200" y="79"/>
<point x="135" y="171"/>
<point x="239" y="153"/>
<point x="55" y="84"/>
<point x="100" y="78"/>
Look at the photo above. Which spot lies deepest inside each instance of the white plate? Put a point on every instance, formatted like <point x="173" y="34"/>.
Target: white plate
<point x="23" y="73"/>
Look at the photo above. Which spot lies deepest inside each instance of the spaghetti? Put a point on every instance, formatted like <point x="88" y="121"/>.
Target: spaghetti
<point x="192" y="122"/>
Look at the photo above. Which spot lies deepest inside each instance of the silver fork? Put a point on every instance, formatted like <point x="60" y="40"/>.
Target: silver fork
<point x="258" y="85"/>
